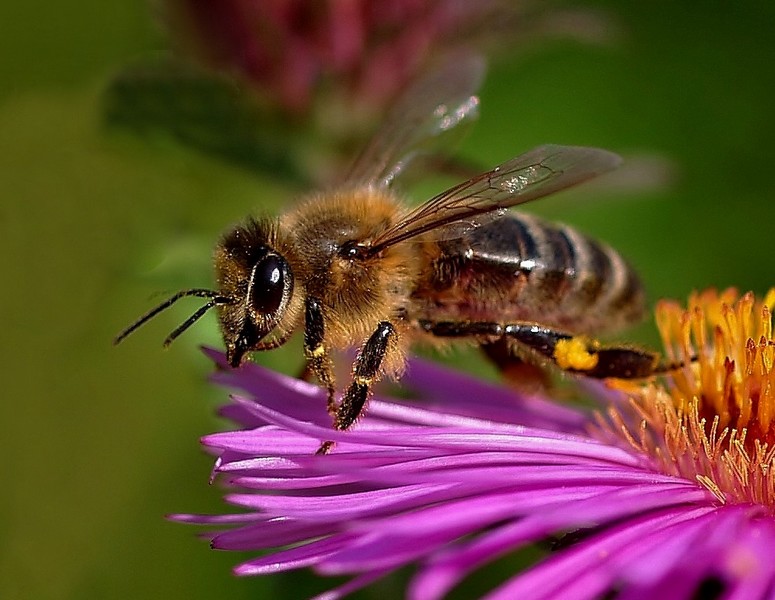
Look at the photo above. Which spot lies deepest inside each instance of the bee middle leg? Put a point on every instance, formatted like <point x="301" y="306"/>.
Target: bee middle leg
<point x="318" y="359"/>
<point x="365" y="373"/>
<point x="571" y="353"/>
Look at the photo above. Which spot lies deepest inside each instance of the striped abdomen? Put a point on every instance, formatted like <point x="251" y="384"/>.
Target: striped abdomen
<point x="519" y="268"/>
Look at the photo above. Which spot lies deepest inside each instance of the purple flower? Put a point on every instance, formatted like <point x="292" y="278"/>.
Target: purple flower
<point x="669" y="495"/>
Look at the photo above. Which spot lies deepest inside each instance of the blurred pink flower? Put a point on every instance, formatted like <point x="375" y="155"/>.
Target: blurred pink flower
<point x="370" y="48"/>
<point x="286" y="47"/>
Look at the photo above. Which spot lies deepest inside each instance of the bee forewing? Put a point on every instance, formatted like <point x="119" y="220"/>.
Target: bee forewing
<point x="535" y="174"/>
<point x="434" y="104"/>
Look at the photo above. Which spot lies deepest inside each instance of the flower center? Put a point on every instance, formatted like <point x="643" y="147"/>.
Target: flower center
<point x="712" y="420"/>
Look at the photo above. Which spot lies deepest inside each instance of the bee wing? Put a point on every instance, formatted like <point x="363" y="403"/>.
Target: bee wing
<point x="535" y="174"/>
<point x="432" y="105"/>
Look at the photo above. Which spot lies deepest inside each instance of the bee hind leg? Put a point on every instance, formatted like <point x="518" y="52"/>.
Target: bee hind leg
<point x="365" y="374"/>
<point x="571" y="353"/>
<point x="527" y="377"/>
<point x="579" y="354"/>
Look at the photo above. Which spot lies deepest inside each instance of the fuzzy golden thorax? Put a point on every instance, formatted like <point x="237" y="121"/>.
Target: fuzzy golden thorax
<point x="356" y="292"/>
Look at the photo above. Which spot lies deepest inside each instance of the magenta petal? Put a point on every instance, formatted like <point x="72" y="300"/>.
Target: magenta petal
<point x="294" y="558"/>
<point x="386" y="552"/>
<point x="343" y="506"/>
<point x="355" y="584"/>
<point x="272" y="533"/>
<point x="516" y="477"/>
<point x="216" y="519"/>
<point x="513" y="438"/>
<point x="263" y="441"/>
<point x="450" y="392"/>
<point x="475" y="512"/>
<point x="414" y="533"/>
<point x="290" y="482"/>
<point x="294" y="397"/>
<point x="612" y="571"/>
<point x="580" y="566"/>
<point x="558" y="513"/>
<point x="471" y="473"/>
<point x="725" y="553"/>
<point x="749" y="560"/>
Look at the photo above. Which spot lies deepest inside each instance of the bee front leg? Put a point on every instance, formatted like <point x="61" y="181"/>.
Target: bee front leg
<point x="365" y="372"/>
<point x="318" y="359"/>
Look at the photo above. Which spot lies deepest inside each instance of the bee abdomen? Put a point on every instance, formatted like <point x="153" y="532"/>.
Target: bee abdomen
<point x="519" y="268"/>
<point x="589" y="284"/>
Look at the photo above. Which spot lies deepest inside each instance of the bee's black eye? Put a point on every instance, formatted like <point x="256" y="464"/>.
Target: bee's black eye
<point x="271" y="277"/>
<point x="352" y="250"/>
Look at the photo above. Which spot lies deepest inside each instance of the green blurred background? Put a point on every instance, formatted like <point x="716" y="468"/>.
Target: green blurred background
<point x="101" y="442"/>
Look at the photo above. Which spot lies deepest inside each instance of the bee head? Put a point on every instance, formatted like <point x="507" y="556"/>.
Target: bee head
<point x="259" y="279"/>
<point x="255" y="289"/>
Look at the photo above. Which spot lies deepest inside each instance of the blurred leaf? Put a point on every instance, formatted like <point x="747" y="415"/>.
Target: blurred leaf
<point x="204" y="111"/>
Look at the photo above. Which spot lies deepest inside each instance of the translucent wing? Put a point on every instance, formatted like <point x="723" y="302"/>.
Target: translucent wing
<point x="538" y="173"/>
<point x="432" y="105"/>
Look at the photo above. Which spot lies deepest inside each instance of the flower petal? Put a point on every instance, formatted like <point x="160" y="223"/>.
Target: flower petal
<point x="590" y="568"/>
<point x="306" y="555"/>
<point x="560" y="511"/>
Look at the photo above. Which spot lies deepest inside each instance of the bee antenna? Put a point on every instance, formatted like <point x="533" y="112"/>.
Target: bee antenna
<point x="194" y="318"/>
<point x="215" y="299"/>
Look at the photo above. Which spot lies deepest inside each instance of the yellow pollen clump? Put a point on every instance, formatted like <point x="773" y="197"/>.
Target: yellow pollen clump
<point x="574" y="353"/>
<point x="318" y="351"/>
<point x="713" y="419"/>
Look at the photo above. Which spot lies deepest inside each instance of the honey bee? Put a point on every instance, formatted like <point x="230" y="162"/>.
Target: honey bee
<point x="354" y="266"/>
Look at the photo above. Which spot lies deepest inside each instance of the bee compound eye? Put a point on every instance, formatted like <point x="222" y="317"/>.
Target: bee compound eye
<point x="271" y="283"/>
<point x="352" y="250"/>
